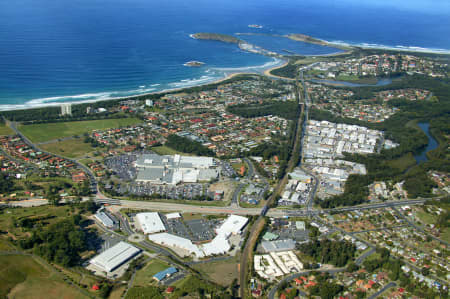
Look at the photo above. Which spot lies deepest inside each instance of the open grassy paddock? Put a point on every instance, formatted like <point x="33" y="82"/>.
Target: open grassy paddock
<point x="71" y="148"/>
<point x="50" y="213"/>
<point x="145" y="275"/>
<point x="165" y="150"/>
<point x="52" y="131"/>
<point x="221" y="272"/>
<point x="403" y="163"/>
<point x="24" y="277"/>
<point x="5" y="130"/>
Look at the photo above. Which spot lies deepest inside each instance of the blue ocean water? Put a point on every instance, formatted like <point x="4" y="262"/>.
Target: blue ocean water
<point x="78" y="50"/>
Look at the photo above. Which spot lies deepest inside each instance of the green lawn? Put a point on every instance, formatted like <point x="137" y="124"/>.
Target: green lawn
<point x="52" y="131"/>
<point x="23" y="277"/>
<point x="426" y="217"/>
<point x="4" y="130"/>
<point x="54" y="213"/>
<point x="446" y="234"/>
<point x="145" y="275"/>
<point x="72" y="148"/>
<point x="221" y="272"/>
<point x="165" y="150"/>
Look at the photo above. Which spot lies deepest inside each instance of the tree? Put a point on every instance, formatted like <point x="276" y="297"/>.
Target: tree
<point x="52" y="195"/>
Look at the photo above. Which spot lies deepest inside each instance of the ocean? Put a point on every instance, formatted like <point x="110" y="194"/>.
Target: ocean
<point x="89" y="50"/>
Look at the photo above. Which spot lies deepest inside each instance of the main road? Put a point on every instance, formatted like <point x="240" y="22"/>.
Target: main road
<point x="90" y="174"/>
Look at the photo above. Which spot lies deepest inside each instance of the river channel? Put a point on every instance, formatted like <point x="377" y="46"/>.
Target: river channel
<point x="432" y="143"/>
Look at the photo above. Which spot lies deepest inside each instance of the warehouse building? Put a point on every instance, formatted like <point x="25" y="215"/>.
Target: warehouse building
<point x="172" y="170"/>
<point x="150" y="222"/>
<point x="112" y="258"/>
<point x="105" y="218"/>
<point x="166" y="239"/>
<point x="233" y="225"/>
<point x="279" y="245"/>
<point x="165" y="273"/>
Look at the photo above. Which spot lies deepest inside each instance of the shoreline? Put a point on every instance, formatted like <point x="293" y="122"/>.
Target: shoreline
<point x="164" y="91"/>
<point x="345" y="47"/>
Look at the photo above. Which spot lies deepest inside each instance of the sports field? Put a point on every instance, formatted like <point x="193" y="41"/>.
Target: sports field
<point x="52" y="131"/>
<point x="72" y="148"/>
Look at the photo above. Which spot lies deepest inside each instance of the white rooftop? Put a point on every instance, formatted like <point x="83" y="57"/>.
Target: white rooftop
<point x="115" y="256"/>
<point x="150" y="222"/>
<point x="173" y="215"/>
<point x="219" y="245"/>
<point x="232" y="225"/>
<point x="175" y="241"/>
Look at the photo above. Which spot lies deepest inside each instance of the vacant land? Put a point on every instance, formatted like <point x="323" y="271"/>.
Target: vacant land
<point x="72" y="148"/>
<point x="23" y="277"/>
<point x="145" y="275"/>
<point x="45" y="215"/>
<point x="4" y="130"/>
<point x="222" y="272"/>
<point x="52" y="131"/>
<point x="165" y="150"/>
<point x="403" y="162"/>
<point x="425" y="217"/>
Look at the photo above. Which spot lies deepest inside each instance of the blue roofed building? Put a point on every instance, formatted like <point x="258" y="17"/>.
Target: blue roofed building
<point x="165" y="273"/>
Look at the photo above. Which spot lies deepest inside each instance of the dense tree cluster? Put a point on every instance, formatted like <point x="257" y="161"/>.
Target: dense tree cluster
<point x="6" y="184"/>
<point x="327" y="251"/>
<point x="145" y="292"/>
<point x="61" y="242"/>
<point x="186" y="145"/>
<point x="288" y="109"/>
<point x="290" y="70"/>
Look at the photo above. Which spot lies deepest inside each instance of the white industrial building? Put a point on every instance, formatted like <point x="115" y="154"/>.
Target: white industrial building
<point x="172" y="170"/>
<point x="218" y="245"/>
<point x="176" y="241"/>
<point x="232" y="225"/>
<point x="173" y="216"/>
<point x="115" y="256"/>
<point x="104" y="218"/>
<point x="150" y="222"/>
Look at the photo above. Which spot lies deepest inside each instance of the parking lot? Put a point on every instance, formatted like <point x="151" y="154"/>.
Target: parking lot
<point x="183" y="191"/>
<point x="202" y="230"/>
<point x="196" y="230"/>
<point x="122" y="166"/>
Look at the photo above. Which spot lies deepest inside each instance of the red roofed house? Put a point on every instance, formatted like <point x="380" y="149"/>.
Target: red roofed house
<point x="170" y="290"/>
<point x="95" y="287"/>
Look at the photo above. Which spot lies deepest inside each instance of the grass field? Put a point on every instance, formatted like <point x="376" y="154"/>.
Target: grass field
<point x="4" y="130"/>
<point x="445" y="235"/>
<point x="8" y="215"/>
<point x="52" y="131"/>
<point x="24" y="277"/>
<point x="165" y="150"/>
<point x="145" y="275"/>
<point x="426" y="217"/>
<point x="403" y="162"/>
<point x="71" y="148"/>
<point x="222" y="272"/>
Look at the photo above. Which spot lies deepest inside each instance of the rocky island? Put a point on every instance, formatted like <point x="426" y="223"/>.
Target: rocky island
<point x="194" y="63"/>
<point x="216" y="36"/>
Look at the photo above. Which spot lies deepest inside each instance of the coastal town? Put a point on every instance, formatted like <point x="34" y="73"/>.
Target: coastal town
<point x="254" y="186"/>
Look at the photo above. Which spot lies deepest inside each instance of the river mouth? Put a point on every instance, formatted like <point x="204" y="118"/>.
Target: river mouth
<point x="432" y="143"/>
